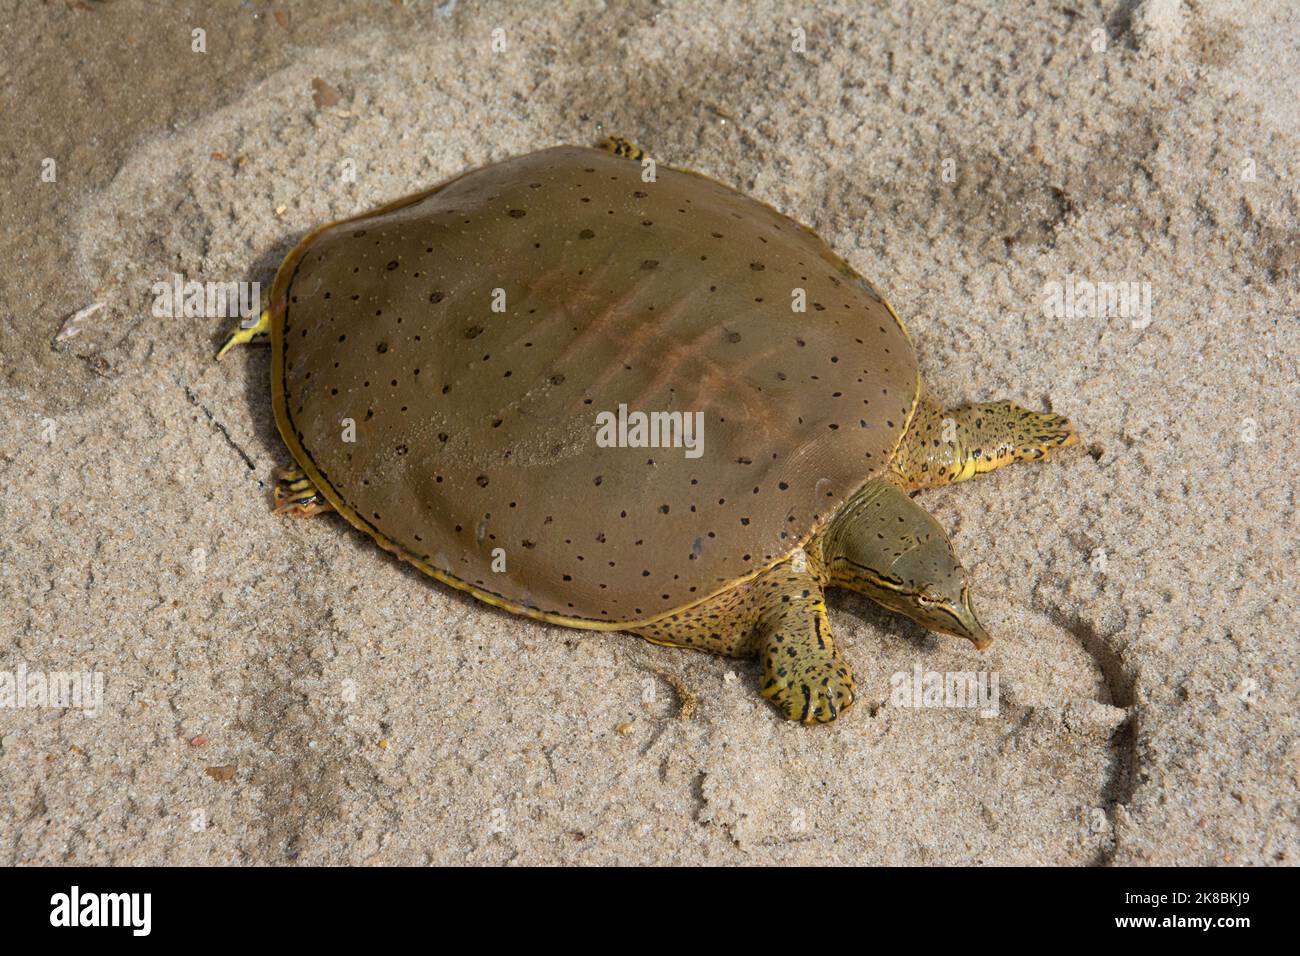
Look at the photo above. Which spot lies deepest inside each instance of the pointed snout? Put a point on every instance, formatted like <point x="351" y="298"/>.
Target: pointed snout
<point x="978" y="636"/>
<point x="971" y="628"/>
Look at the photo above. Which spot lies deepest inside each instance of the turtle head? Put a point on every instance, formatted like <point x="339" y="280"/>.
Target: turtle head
<point x="886" y="546"/>
<point x="934" y="592"/>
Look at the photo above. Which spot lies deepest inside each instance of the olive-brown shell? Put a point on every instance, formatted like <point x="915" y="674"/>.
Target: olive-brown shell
<point x="440" y="365"/>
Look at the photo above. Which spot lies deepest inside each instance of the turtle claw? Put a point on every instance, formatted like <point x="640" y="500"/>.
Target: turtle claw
<point x="812" y="694"/>
<point x="296" y="496"/>
<point x="1048" y="431"/>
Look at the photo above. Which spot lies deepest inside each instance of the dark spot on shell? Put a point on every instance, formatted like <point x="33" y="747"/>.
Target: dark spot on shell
<point x="517" y="213"/>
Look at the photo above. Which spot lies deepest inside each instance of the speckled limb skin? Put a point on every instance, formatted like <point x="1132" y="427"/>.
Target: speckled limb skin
<point x="622" y="147"/>
<point x="803" y="673"/>
<point x="945" y="445"/>
<point x="781" y="617"/>
<point x="296" y="496"/>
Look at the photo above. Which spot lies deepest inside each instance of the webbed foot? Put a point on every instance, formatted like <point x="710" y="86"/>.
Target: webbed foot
<point x="954" y="444"/>
<point x="803" y="673"/>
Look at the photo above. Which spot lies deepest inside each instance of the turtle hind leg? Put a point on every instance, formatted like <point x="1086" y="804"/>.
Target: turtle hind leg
<point x="622" y="147"/>
<point x="723" y="624"/>
<point x="944" y="445"/>
<point x="295" y="495"/>
<point x="259" y="331"/>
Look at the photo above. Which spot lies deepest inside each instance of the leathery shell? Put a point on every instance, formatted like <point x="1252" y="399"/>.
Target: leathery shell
<point x="440" y="364"/>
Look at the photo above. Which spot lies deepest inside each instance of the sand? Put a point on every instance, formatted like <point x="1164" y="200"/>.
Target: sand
<point x="282" y="692"/>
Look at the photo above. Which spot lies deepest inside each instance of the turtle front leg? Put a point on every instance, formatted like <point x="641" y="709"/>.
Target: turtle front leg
<point x="781" y="616"/>
<point x="944" y="445"/>
<point x="295" y="495"/>
<point x="803" y="673"/>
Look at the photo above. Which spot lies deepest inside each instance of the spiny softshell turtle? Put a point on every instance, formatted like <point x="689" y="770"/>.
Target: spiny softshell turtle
<point x="444" y="368"/>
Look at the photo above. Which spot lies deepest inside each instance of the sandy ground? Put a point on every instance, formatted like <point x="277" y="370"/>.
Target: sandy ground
<point x="279" y="691"/>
